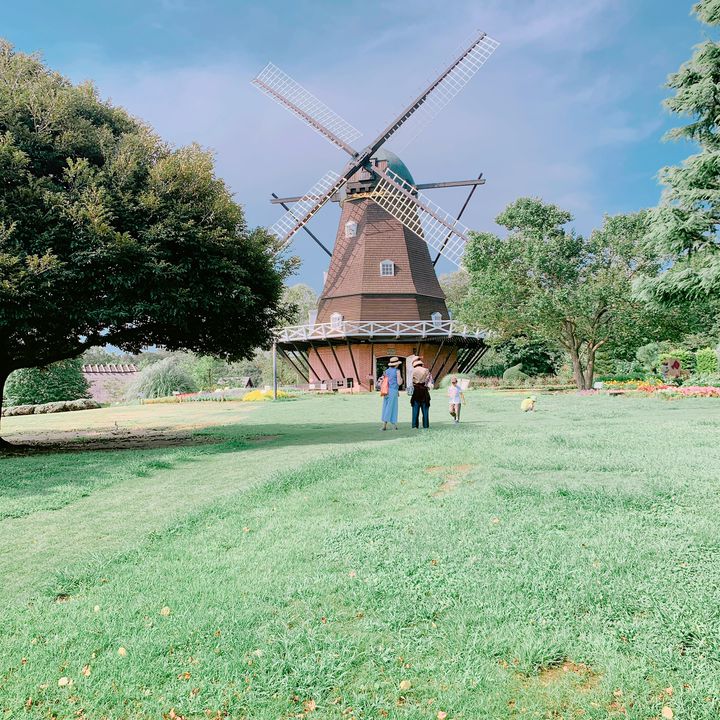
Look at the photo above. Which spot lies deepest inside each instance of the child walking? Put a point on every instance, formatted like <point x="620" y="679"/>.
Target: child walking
<point x="456" y="398"/>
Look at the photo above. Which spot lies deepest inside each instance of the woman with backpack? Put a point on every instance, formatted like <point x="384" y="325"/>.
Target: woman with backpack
<point x="420" y="400"/>
<point x="390" y="383"/>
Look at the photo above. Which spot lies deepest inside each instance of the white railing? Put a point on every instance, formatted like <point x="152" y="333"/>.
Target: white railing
<point x="393" y="329"/>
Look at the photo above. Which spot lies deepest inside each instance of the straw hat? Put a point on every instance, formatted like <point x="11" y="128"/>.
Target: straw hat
<point x="395" y="362"/>
<point x="417" y="362"/>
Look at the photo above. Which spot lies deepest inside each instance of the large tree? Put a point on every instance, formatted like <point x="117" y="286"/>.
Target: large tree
<point x="300" y="300"/>
<point x="683" y="229"/>
<point x="550" y="283"/>
<point x="109" y="235"/>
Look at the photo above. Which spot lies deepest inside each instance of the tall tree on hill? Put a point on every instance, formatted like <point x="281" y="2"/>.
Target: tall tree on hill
<point x="683" y="228"/>
<point x="108" y="235"/>
<point x="549" y="283"/>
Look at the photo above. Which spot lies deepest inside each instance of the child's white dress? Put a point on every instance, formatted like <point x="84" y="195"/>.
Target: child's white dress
<point x="455" y="395"/>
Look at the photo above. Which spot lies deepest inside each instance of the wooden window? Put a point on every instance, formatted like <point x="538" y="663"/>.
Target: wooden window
<point x="387" y="268"/>
<point x="336" y="320"/>
<point x="351" y="229"/>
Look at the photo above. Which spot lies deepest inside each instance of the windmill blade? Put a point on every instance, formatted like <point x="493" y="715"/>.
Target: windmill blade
<point x="443" y="89"/>
<point x="299" y="101"/>
<point x="304" y="227"/>
<point x="439" y="229"/>
<point x="299" y="213"/>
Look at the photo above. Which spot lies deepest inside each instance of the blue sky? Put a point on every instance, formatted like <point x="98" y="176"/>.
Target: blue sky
<point x="568" y="108"/>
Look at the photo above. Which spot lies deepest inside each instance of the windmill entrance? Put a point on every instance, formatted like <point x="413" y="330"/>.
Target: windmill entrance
<point x="381" y="364"/>
<point x="381" y="295"/>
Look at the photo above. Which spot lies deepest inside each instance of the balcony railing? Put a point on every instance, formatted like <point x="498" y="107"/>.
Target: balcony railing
<point x="388" y="329"/>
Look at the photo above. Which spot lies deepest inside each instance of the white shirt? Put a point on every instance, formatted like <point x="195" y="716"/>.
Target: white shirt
<point x="454" y="393"/>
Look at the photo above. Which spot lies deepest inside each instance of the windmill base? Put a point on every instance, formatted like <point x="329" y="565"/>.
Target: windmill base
<point x="355" y="363"/>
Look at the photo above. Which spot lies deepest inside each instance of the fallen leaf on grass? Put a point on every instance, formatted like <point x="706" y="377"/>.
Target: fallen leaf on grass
<point x="309" y="706"/>
<point x="96" y="608"/>
<point x="405" y="685"/>
<point x="122" y="652"/>
<point x="441" y="715"/>
<point x="495" y="520"/>
<point x="352" y="573"/>
<point x="165" y="611"/>
<point x="65" y="682"/>
<point x="172" y="715"/>
<point x="667" y="713"/>
<point x="246" y="529"/>
<point x="85" y="671"/>
<point x="184" y="675"/>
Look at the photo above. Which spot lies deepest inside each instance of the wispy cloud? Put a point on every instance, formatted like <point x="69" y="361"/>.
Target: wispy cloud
<point x="545" y="110"/>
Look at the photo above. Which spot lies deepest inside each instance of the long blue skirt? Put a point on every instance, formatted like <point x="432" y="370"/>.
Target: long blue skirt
<point x="390" y="408"/>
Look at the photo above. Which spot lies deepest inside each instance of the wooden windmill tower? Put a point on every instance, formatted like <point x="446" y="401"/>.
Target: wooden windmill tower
<point x="381" y="295"/>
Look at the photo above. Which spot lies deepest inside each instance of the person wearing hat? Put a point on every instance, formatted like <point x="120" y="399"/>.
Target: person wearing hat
<point x="389" y="384"/>
<point x="420" y="399"/>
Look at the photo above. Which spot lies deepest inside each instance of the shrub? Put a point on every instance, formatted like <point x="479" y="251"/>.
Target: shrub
<point x="60" y="381"/>
<point x="161" y="379"/>
<point x="620" y="378"/>
<point x="709" y="380"/>
<point x="649" y="356"/>
<point x="629" y="368"/>
<point x="514" y="375"/>
<point x="706" y="361"/>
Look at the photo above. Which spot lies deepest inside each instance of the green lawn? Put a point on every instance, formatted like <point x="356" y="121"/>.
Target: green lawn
<point x="562" y="564"/>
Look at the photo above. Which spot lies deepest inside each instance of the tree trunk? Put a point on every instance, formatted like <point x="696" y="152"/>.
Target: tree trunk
<point x="578" y="373"/>
<point x="3" y="377"/>
<point x="590" y="369"/>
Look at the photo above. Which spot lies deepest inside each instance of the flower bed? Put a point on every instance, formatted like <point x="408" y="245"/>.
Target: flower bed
<point x="264" y="395"/>
<point x="680" y="391"/>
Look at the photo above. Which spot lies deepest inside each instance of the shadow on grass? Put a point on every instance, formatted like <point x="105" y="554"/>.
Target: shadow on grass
<point x="221" y="438"/>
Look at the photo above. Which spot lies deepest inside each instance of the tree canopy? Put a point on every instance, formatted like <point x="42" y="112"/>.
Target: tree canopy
<point x="682" y="230"/>
<point x="109" y="235"/>
<point x="548" y="282"/>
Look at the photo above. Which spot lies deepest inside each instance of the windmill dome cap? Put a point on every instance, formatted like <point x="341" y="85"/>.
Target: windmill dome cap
<point x="395" y="164"/>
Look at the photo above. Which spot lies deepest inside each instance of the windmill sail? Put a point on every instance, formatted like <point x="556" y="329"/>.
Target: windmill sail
<point x="439" y="229"/>
<point x="426" y="106"/>
<point x="299" y="213"/>
<point x="299" y="101"/>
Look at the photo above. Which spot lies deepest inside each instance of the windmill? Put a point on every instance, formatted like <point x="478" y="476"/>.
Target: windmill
<point x="381" y="295"/>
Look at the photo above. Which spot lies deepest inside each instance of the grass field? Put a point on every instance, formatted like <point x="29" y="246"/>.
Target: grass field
<point x="290" y="560"/>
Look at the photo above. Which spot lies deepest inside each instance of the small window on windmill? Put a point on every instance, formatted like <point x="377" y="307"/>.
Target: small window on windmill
<point x="336" y="320"/>
<point x="350" y="229"/>
<point x="387" y="268"/>
<point x="436" y="319"/>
